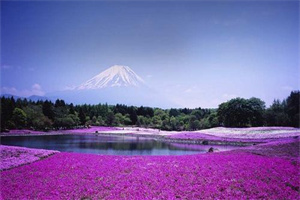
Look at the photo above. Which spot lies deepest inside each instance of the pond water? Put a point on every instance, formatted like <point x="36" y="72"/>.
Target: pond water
<point x="108" y="145"/>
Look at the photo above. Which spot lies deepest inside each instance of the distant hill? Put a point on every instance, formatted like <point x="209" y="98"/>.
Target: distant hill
<point x="37" y="98"/>
<point x="10" y="95"/>
<point x="32" y="98"/>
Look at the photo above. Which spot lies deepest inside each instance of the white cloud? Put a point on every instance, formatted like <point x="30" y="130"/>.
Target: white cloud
<point x="149" y="76"/>
<point x="35" y="89"/>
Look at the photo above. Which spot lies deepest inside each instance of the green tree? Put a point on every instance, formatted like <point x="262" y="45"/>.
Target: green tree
<point x="75" y="119"/>
<point x="174" y="124"/>
<point x="241" y="112"/>
<point x="119" y="119"/>
<point x="140" y="120"/>
<point x="126" y="119"/>
<point x="48" y="109"/>
<point x="7" y="108"/>
<point x="166" y="123"/>
<point x="94" y="120"/>
<point x="174" y="112"/>
<point x="88" y="121"/>
<point x="198" y="114"/>
<point x="19" y="118"/>
<point x="36" y="119"/>
<point x="156" y="121"/>
<point x="110" y="119"/>
<point x="204" y="123"/>
<point x="42" y="123"/>
<point x="257" y="111"/>
<point x="213" y="119"/>
<point x="71" y="109"/>
<point x="160" y="113"/>
<point x="132" y="114"/>
<point x="194" y="123"/>
<point x="292" y="109"/>
<point x="276" y="115"/>
<point x="82" y="116"/>
<point x="66" y="122"/>
<point x="100" y="121"/>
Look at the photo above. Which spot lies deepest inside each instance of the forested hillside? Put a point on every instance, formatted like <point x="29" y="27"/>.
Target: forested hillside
<point x="238" y="112"/>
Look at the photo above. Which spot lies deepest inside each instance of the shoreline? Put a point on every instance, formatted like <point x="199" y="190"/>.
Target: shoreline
<point x="157" y="137"/>
<point x="203" y="137"/>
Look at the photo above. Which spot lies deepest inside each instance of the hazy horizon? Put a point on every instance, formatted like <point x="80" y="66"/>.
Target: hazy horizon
<point x="198" y="54"/>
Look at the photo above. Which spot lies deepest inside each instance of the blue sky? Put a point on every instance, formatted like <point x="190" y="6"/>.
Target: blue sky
<point x="197" y="53"/>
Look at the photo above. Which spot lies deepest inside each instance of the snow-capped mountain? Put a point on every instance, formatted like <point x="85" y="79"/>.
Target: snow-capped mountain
<point x="116" y="85"/>
<point x="115" y="76"/>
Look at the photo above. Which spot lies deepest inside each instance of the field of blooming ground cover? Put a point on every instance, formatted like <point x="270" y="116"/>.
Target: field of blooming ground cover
<point x="264" y="171"/>
<point x="16" y="156"/>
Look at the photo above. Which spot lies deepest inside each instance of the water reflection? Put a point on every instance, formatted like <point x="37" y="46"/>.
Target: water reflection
<point x="109" y="145"/>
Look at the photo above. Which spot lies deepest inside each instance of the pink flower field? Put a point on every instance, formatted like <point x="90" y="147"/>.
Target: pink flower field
<point x="252" y="133"/>
<point x="288" y="148"/>
<point x="237" y="174"/>
<point x="16" y="156"/>
<point x="240" y="135"/>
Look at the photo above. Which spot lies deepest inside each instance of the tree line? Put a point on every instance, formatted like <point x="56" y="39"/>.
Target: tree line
<point x="238" y="112"/>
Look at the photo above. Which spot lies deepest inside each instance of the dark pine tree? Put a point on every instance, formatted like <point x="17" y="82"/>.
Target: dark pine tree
<point x="293" y="104"/>
<point x="82" y="116"/>
<point x="71" y="109"/>
<point x="48" y="111"/>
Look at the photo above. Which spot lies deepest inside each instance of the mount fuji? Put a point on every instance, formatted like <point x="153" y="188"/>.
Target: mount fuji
<point x="115" y="76"/>
<point x="115" y="85"/>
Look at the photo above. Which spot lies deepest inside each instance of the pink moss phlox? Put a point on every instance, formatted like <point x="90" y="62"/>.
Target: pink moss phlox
<point x="256" y="134"/>
<point x="226" y="175"/>
<point x="16" y="156"/>
<point x="288" y="148"/>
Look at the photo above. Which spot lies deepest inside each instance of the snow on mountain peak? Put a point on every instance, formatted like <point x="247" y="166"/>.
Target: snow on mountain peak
<point x="115" y="76"/>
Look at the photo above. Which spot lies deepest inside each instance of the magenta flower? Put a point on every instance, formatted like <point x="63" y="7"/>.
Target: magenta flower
<point x="227" y="175"/>
<point x="16" y="156"/>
